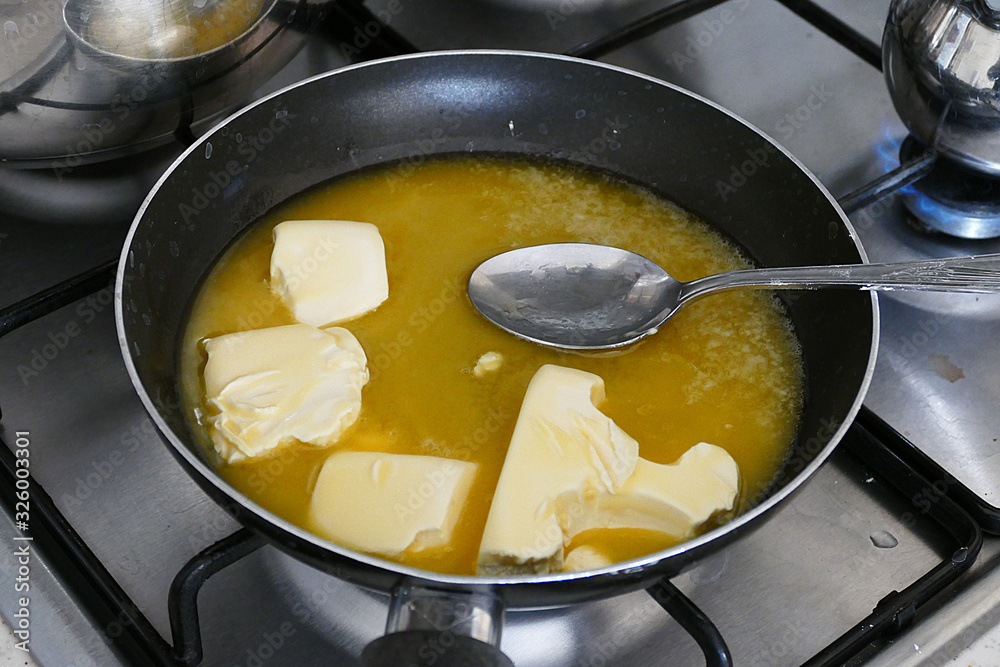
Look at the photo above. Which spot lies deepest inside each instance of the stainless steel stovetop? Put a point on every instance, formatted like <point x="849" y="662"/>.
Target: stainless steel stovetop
<point x="779" y="596"/>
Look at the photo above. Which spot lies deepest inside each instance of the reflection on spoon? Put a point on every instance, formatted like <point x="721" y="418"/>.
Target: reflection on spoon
<point x="582" y="296"/>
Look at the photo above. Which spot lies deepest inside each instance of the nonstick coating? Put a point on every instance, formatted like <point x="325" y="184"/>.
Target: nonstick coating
<point x="405" y="109"/>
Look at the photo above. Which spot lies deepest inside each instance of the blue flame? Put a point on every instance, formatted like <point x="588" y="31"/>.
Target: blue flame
<point x="919" y="203"/>
<point x="929" y="211"/>
<point x="888" y="149"/>
<point x="888" y="153"/>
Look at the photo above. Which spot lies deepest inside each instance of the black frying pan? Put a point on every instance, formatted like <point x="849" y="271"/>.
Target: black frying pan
<point x="407" y="108"/>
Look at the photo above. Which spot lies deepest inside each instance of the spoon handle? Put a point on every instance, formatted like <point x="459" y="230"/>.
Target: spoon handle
<point x="957" y="274"/>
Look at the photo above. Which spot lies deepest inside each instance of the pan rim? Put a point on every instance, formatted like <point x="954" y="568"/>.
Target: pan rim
<point x="627" y="568"/>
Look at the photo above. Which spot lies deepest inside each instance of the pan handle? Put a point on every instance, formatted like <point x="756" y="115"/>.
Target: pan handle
<point x="440" y="628"/>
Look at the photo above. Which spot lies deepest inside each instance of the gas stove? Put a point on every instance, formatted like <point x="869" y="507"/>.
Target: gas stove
<point x="887" y="556"/>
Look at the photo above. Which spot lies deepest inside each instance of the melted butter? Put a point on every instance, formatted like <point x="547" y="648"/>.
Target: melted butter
<point x="168" y="29"/>
<point x="725" y="370"/>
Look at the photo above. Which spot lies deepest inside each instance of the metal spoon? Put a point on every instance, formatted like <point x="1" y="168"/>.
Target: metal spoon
<point x="581" y="296"/>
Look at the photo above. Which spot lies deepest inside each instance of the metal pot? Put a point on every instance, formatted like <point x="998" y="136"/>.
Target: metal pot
<point x="407" y="108"/>
<point x="87" y="80"/>
<point x="942" y="63"/>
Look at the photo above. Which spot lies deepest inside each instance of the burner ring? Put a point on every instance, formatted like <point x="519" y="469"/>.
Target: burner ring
<point x="953" y="198"/>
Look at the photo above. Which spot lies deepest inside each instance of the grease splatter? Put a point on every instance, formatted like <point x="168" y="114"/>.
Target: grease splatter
<point x="944" y="368"/>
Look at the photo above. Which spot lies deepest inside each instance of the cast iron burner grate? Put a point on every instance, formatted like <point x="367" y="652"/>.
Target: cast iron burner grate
<point x="952" y="198"/>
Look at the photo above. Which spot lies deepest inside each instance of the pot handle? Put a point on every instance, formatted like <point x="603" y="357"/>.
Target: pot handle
<point x="440" y="628"/>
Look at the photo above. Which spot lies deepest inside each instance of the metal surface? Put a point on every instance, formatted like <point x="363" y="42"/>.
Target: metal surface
<point x="84" y="81"/>
<point x="441" y="627"/>
<point x="581" y="296"/>
<point x="965" y="220"/>
<point x="477" y="615"/>
<point x="953" y="198"/>
<point x="56" y="614"/>
<point x="940" y="60"/>
<point x="810" y="552"/>
<point x="909" y="171"/>
<point x="573" y="295"/>
<point x="778" y="596"/>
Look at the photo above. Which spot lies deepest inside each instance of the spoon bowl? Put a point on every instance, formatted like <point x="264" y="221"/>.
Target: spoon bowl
<point x="581" y="296"/>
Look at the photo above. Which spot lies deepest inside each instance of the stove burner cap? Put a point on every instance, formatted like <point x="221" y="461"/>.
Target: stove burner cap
<point x="952" y="198"/>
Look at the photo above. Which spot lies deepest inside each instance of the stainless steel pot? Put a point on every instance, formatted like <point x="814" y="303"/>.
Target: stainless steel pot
<point x="942" y="63"/>
<point x="405" y="109"/>
<point x="88" y="80"/>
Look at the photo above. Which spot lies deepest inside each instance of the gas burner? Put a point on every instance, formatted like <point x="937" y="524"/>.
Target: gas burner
<point x="952" y="198"/>
<point x="106" y="192"/>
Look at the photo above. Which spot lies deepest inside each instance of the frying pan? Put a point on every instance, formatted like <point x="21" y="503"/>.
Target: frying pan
<point x="403" y="110"/>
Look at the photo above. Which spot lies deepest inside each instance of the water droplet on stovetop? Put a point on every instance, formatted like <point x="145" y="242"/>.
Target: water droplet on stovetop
<point x="883" y="539"/>
<point x="711" y="568"/>
<point x="208" y="149"/>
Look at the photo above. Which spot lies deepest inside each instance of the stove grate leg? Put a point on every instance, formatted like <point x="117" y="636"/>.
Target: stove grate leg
<point x="694" y="621"/>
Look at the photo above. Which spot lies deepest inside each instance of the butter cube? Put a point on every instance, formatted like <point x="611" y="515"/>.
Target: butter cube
<point x="270" y="387"/>
<point x="328" y="271"/>
<point x="562" y="452"/>
<point x="388" y="503"/>
<point x="676" y="499"/>
<point x="570" y="468"/>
